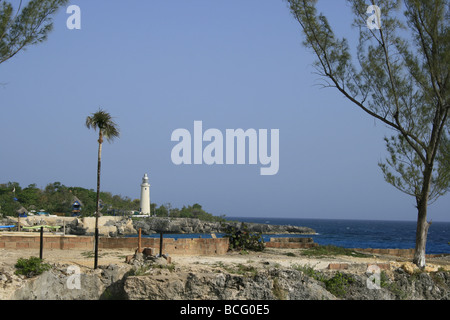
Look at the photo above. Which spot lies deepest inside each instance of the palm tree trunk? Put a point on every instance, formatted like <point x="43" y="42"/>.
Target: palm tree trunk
<point x="99" y="164"/>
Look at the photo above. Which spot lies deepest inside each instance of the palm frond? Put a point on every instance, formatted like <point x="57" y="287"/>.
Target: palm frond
<point x="104" y="122"/>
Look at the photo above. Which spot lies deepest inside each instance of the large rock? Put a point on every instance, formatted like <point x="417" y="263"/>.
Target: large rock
<point x="103" y="283"/>
<point x="266" y="285"/>
<point x="106" y="225"/>
<point x="421" y="286"/>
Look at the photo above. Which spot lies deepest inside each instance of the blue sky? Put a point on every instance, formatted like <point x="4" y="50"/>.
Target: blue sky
<point x="157" y="66"/>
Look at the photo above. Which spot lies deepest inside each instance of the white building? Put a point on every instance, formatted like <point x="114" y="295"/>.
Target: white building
<point x="145" y="196"/>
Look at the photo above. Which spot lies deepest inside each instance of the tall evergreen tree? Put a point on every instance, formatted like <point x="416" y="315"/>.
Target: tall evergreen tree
<point x="402" y="80"/>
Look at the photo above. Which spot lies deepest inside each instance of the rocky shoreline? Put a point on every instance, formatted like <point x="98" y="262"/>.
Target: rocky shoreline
<point x="123" y="226"/>
<point x="256" y="276"/>
<point x="187" y="225"/>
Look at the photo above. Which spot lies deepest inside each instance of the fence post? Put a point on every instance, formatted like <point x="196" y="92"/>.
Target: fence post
<point x="41" y="243"/>
<point x="139" y="241"/>
<point x="160" y="243"/>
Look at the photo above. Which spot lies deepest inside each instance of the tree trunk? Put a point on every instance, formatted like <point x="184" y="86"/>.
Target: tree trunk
<point x="421" y="236"/>
<point x="422" y="223"/>
<point x="100" y="140"/>
<point x="99" y="164"/>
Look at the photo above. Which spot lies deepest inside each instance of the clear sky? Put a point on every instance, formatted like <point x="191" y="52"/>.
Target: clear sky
<point x="157" y="66"/>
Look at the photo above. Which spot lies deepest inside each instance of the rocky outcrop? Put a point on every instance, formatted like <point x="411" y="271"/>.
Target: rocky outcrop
<point x="117" y="226"/>
<point x="188" y="225"/>
<point x="56" y="284"/>
<point x="284" y="284"/>
<point x="400" y="286"/>
<point x="157" y="279"/>
<point x="269" y="285"/>
<point x="160" y="281"/>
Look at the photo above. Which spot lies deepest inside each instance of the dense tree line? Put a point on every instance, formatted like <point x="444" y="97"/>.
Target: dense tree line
<point x="57" y="198"/>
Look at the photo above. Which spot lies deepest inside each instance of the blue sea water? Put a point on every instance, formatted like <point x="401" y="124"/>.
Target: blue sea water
<point x="367" y="233"/>
<point x="356" y="233"/>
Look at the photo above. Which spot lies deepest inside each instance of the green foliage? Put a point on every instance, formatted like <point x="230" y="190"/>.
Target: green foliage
<point x="58" y="198"/>
<point x="103" y="122"/>
<point x="330" y="250"/>
<point x="290" y="254"/>
<point x="399" y="77"/>
<point x="241" y="269"/>
<point x="22" y="27"/>
<point x="147" y="267"/>
<point x="242" y="239"/>
<point x="31" y="267"/>
<point x="310" y="272"/>
<point x="400" y="80"/>
<point x="338" y="284"/>
<point x="195" y="211"/>
<point x="7" y="204"/>
<point x="409" y="167"/>
<point x="140" y="271"/>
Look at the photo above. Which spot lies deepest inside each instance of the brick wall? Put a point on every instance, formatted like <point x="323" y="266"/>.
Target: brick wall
<point x="187" y="246"/>
<point x="291" y="243"/>
<point x="404" y="253"/>
<point x="49" y="241"/>
<point x="196" y="246"/>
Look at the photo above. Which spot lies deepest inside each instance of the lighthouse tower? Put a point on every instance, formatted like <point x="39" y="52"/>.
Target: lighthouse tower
<point x="145" y="196"/>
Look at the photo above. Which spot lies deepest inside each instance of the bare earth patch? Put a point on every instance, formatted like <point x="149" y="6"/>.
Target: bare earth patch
<point x="270" y="256"/>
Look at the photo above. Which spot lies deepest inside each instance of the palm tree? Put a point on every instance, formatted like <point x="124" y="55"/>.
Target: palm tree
<point x="107" y="129"/>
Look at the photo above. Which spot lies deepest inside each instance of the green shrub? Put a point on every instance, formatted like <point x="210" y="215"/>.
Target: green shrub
<point x="330" y="250"/>
<point x="31" y="267"/>
<point x="338" y="284"/>
<point x="310" y="272"/>
<point x="290" y="254"/>
<point x="242" y="239"/>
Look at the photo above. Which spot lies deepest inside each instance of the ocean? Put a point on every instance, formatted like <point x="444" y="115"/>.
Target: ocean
<point x="355" y="233"/>
<point x="367" y="233"/>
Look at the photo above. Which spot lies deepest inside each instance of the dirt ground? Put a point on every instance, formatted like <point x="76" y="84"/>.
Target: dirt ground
<point x="278" y="257"/>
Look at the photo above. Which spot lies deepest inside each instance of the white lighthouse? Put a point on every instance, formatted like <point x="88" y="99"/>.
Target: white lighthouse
<point x="145" y="196"/>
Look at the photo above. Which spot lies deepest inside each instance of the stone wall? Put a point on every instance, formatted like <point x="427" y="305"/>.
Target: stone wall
<point x="182" y="246"/>
<point x="107" y="225"/>
<point x="32" y="241"/>
<point x="404" y="253"/>
<point x="291" y="243"/>
<point x="196" y="246"/>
